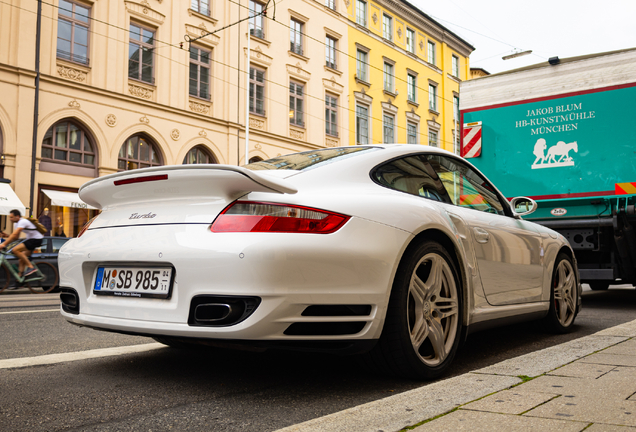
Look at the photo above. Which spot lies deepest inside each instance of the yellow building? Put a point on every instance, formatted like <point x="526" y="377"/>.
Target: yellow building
<point x="120" y="87"/>
<point x="405" y="75"/>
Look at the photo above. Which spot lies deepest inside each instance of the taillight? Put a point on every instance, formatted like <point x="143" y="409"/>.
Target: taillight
<point x="245" y="216"/>
<point x="86" y="225"/>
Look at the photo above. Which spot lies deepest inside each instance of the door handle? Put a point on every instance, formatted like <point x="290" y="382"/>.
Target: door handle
<point x="481" y="235"/>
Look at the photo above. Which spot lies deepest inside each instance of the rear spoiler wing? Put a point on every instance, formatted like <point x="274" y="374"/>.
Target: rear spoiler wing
<point x="180" y="181"/>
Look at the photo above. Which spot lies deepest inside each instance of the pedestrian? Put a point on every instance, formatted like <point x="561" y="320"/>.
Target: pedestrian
<point x="23" y="250"/>
<point x="59" y="228"/>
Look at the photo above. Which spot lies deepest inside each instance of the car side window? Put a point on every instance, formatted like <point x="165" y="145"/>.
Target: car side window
<point x="412" y="175"/>
<point x="465" y="187"/>
<point x="41" y="249"/>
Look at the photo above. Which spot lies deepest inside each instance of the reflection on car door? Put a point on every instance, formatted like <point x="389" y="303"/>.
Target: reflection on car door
<point x="508" y="250"/>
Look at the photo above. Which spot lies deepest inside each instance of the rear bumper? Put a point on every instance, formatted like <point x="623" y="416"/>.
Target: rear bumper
<point x="287" y="272"/>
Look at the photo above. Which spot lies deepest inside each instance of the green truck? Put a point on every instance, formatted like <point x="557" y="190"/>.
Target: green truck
<point x="563" y="133"/>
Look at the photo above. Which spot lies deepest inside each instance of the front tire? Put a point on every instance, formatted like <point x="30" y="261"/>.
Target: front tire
<point x="50" y="281"/>
<point x="421" y="333"/>
<point x="563" y="296"/>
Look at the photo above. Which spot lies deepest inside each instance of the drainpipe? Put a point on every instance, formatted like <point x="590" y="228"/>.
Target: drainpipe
<point x="36" y="105"/>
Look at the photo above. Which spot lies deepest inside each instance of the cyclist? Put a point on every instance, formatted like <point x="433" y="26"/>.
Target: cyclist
<point x="23" y="250"/>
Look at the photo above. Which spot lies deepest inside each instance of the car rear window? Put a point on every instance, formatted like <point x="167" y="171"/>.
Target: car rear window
<point x="308" y="159"/>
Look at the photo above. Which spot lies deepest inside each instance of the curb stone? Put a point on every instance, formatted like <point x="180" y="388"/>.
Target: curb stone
<point x="397" y="412"/>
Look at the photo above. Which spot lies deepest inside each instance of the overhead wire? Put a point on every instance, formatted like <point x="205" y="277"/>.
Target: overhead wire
<point x="178" y="46"/>
<point x="395" y="77"/>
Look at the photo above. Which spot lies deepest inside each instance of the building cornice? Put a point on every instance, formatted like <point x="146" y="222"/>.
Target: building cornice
<point x="131" y="99"/>
<point x="428" y="25"/>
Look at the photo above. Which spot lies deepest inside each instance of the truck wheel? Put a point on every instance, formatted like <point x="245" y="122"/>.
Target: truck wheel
<point x="422" y="329"/>
<point x="599" y="286"/>
<point x="563" y="296"/>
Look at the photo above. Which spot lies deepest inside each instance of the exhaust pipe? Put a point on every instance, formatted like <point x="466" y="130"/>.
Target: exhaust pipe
<point x="212" y="312"/>
<point x="70" y="301"/>
<point x="221" y="310"/>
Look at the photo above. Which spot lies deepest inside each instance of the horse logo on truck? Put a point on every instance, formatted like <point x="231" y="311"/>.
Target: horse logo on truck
<point x="557" y="156"/>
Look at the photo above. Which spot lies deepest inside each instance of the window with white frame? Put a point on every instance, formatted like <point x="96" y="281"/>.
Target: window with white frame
<point x="432" y="97"/>
<point x="296" y="36"/>
<point x="411" y="83"/>
<point x="361" y="12"/>
<point x="256" y="19"/>
<point x="432" y="139"/>
<point x="257" y="91"/>
<point x="330" y="52"/>
<point x="201" y="6"/>
<point x="199" y="72"/>
<point x="140" y="54"/>
<point x="331" y="4"/>
<point x="296" y="104"/>
<point x="387" y="27"/>
<point x="362" y="66"/>
<point x="410" y="40"/>
<point x="389" y="84"/>
<point x="431" y="52"/>
<point x="362" y="124"/>
<point x="411" y="133"/>
<point x="455" y="66"/>
<point x="331" y="115"/>
<point x="73" y="31"/>
<point x="388" y="129"/>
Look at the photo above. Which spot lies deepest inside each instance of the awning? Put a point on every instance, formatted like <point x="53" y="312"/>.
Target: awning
<point x="66" y="199"/>
<point x="9" y="200"/>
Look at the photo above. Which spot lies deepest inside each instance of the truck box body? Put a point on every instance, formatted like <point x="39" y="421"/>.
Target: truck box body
<point x="565" y="135"/>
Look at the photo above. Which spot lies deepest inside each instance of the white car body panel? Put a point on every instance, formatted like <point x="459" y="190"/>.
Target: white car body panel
<point x="167" y="222"/>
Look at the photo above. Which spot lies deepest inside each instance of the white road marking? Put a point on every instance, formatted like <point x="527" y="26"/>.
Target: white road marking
<point x="43" y="310"/>
<point x="80" y="355"/>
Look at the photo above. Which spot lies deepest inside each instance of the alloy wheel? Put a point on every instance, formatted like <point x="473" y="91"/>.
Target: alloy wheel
<point x="565" y="293"/>
<point x="433" y="310"/>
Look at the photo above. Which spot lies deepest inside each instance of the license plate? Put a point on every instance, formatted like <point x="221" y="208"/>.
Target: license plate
<point x="153" y="282"/>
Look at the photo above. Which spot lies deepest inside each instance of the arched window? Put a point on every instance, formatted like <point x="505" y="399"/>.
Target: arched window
<point x="67" y="142"/>
<point x="254" y="159"/>
<point x="199" y="155"/>
<point x="138" y="152"/>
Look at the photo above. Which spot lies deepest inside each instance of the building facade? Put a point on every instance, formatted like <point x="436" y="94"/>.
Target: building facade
<point x="405" y="75"/>
<point x="127" y="84"/>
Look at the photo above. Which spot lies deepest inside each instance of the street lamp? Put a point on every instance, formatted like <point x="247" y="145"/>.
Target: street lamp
<point x="517" y="54"/>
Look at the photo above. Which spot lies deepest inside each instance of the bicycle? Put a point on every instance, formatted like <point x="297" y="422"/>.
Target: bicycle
<point x="46" y="276"/>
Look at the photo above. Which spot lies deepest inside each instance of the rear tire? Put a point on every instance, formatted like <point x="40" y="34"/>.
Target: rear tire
<point x="599" y="286"/>
<point x="422" y="329"/>
<point x="563" y="296"/>
<point x="50" y="281"/>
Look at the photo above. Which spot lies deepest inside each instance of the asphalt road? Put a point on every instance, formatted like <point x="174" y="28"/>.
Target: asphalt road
<point x="217" y="390"/>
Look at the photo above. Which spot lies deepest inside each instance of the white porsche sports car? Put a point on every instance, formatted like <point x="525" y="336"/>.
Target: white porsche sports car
<point x="398" y="251"/>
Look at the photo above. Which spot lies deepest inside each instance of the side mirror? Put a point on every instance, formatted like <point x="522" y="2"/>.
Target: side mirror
<point x="523" y="206"/>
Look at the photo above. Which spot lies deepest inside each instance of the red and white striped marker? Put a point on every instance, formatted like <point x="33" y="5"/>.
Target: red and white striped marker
<point x="471" y="143"/>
